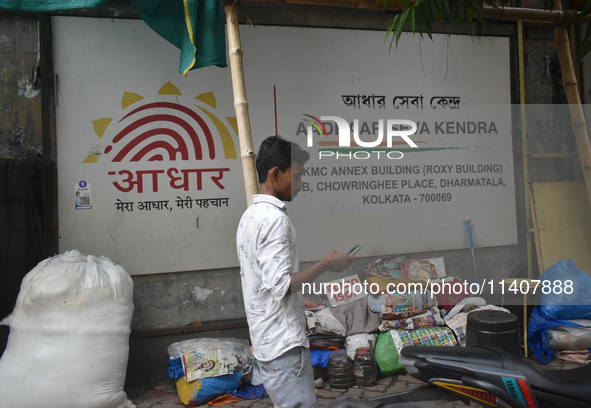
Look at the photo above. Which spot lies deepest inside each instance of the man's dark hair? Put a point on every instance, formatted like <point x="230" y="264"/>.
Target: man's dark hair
<point x="275" y="151"/>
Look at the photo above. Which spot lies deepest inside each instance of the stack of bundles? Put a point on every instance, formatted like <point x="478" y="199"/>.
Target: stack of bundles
<point x="400" y="293"/>
<point x="561" y="324"/>
<point x="417" y="305"/>
<point x="320" y="319"/>
<point x="407" y="309"/>
<point x="409" y="303"/>
<point x="207" y="368"/>
<point x="69" y="335"/>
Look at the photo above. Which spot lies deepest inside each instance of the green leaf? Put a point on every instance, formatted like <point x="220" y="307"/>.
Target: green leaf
<point x="421" y="15"/>
<point x="390" y="27"/>
<point x="462" y="14"/>
<point x="432" y="12"/>
<point x="446" y="12"/>
<point x="548" y="4"/>
<point x="453" y="13"/>
<point x="419" y="19"/>
<point x="585" y="45"/>
<point x="584" y="13"/>
<point x="390" y="31"/>
<point x="401" y="22"/>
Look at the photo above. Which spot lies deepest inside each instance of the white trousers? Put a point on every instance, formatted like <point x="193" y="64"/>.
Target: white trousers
<point x="289" y="379"/>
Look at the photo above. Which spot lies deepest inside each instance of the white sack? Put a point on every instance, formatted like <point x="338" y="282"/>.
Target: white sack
<point x="355" y="341"/>
<point x="69" y="336"/>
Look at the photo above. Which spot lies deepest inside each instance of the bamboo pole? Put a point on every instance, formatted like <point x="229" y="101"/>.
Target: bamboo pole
<point x="571" y="87"/>
<point x="525" y="157"/>
<point x="525" y="14"/>
<point x="556" y="16"/>
<point x="240" y="102"/>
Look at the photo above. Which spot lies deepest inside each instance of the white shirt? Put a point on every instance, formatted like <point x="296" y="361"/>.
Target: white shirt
<point x="266" y="244"/>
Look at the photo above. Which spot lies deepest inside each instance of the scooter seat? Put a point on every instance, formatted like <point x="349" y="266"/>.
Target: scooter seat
<point x="573" y="383"/>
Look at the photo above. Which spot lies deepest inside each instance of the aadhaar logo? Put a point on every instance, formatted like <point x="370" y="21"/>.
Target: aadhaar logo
<point x="384" y="131"/>
<point x="166" y="130"/>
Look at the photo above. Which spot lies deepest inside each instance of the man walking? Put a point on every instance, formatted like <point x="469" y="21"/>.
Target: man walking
<point x="271" y="279"/>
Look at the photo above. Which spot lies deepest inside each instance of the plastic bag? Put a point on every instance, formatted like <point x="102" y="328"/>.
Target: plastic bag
<point x="69" y="336"/>
<point x="394" y="306"/>
<point x="320" y="357"/>
<point x="255" y="378"/>
<point x="568" y="295"/>
<point x="193" y="393"/>
<point x="568" y="338"/>
<point x="447" y="295"/>
<point x="432" y="336"/>
<point x="536" y="339"/>
<point x="431" y="318"/>
<point x="355" y="341"/>
<point x="385" y="268"/>
<point x="465" y="305"/>
<point x="208" y="357"/>
<point x="459" y="321"/>
<point x="387" y="356"/>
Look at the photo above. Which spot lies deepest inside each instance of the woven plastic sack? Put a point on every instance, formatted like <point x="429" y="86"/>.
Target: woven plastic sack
<point x="197" y="392"/>
<point x="69" y="336"/>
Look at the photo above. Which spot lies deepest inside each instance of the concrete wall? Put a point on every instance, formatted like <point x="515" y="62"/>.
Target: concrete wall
<point x="184" y="293"/>
<point x="169" y="306"/>
<point x="20" y="87"/>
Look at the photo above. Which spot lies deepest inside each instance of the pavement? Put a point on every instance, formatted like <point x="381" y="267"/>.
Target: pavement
<point x="164" y="394"/>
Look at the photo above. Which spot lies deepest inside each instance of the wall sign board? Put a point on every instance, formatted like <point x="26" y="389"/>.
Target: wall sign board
<point x="161" y="150"/>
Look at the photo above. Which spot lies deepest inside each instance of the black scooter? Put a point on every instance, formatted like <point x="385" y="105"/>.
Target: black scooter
<point x="491" y="377"/>
<point x="494" y="377"/>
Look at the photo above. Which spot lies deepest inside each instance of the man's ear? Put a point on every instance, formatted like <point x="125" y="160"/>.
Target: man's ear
<point x="273" y="173"/>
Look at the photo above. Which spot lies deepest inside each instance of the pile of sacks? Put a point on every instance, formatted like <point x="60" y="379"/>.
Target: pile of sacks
<point x="408" y="302"/>
<point x="216" y="371"/>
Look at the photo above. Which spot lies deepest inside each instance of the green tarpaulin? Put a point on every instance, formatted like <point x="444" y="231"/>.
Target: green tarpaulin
<point x="196" y="27"/>
<point x="49" y="5"/>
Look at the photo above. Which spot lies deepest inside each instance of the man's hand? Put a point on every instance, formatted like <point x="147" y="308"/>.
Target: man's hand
<point x="336" y="262"/>
<point x="333" y="261"/>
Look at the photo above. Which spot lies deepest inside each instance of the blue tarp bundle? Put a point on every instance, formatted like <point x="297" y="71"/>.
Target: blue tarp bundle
<point x="565" y="295"/>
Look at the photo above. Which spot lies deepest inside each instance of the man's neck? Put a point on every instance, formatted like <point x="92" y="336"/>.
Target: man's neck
<point x="265" y="188"/>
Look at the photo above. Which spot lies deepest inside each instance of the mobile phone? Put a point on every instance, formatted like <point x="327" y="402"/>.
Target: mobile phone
<point x="354" y="250"/>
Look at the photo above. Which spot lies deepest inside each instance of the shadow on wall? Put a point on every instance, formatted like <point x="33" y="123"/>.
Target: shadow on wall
<point x="22" y="225"/>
